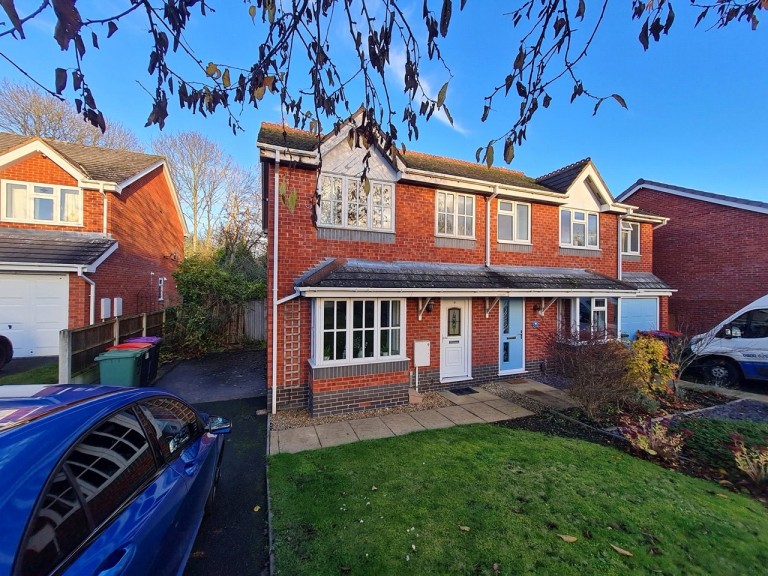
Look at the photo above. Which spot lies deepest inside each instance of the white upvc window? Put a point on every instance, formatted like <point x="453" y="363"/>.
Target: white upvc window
<point x="346" y="202"/>
<point x="454" y="215"/>
<point x="514" y="222"/>
<point x="579" y="229"/>
<point x="354" y="330"/>
<point x="41" y="203"/>
<point x="630" y="238"/>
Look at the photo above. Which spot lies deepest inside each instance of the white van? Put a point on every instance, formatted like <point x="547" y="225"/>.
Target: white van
<point x="737" y="348"/>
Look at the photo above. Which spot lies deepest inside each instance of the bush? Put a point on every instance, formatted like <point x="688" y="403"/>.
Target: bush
<point x="752" y="460"/>
<point x="649" y="366"/>
<point x="654" y="438"/>
<point x="597" y="369"/>
<point x="710" y="440"/>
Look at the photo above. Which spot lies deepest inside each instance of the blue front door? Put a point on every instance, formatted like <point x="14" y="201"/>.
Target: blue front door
<point x="511" y="352"/>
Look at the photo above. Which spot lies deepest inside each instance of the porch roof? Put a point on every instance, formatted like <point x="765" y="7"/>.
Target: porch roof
<point x="429" y="278"/>
<point x="29" y="249"/>
<point x="645" y="281"/>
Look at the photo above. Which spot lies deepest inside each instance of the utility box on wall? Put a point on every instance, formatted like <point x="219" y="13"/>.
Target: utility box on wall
<point x="421" y="353"/>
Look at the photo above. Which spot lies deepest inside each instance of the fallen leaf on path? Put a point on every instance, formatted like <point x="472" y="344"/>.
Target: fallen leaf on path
<point x="464" y="528"/>
<point x="256" y="508"/>
<point x="568" y="538"/>
<point x="621" y="550"/>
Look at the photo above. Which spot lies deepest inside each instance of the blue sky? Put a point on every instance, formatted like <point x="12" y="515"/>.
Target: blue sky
<point x="697" y="115"/>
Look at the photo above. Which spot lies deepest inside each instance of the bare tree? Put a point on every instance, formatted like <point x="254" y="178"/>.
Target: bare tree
<point x="31" y="112"/>
<point x="241" y="223"/>
<point x="549" y="38"/>
<point x="200" y="170"/>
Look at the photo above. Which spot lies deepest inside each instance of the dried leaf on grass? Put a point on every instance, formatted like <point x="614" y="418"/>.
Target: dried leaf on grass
<point x="621" y="550"/>
<point x="567" y="538"/>
<point x="464" y="528"/>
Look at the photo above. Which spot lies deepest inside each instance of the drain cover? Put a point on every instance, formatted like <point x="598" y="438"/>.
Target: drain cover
<point x="462" y="391"/>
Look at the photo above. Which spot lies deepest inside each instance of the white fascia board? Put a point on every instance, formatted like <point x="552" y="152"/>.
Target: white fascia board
<point x="607" y="203"/>
<point x="693" y="196"/>
<point x="455" y="293"/>
<point x="642" y="293"/>
<point x="483" y="186"/>
<point x="37" y="145"/>
<point x="289" y="154"/>
<point x="98" y="262"/>
<point x="37" y="267"/>
<point x="100" y="185"/>
<point x="139" y="175"/>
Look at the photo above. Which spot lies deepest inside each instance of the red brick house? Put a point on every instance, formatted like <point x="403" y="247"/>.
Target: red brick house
<point x="79" y="224"/>
<point x="436" y="270"/>
<point x="712" y="251"/>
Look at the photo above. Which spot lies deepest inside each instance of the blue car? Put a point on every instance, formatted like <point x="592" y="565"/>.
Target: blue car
<point x="97" y="480"/>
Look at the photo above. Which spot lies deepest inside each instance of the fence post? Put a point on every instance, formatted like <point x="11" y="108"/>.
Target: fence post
<point x="116" y="331"/>
<point x="65" y="357"/>
<point x="144" y="324"/>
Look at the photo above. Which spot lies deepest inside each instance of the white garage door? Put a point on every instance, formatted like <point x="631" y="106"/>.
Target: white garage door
<point x="33" y="309"/>
<point x="639" y="314"/>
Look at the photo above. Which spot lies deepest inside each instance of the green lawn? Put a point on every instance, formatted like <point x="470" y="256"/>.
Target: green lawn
<point x="47" y="374"/>
<point x="516" y="492"/>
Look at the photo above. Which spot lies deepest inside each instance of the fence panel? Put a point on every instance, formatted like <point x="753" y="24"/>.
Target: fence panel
<point x="255" y="321"/>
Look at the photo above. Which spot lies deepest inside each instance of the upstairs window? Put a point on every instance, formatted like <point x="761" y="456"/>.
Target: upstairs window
<point x="455" y="215"/>
<point x="347" y="203"/>
<point x="630" y="238"/>
<point x="514" y="222"/>
<point x="579" y="229"/>
<point x="40" y="203"/>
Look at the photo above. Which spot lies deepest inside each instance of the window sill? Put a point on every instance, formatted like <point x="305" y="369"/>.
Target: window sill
<point x="42" y="223"/>
<point x="354" y="229"/>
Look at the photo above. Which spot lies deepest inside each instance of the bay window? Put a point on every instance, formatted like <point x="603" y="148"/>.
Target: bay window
<point x="578" y="229"/>
<point x="40" y="203"/>
<point x="355" y="329"/>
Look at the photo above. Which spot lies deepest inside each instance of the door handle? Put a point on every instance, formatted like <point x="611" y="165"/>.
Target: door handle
<point x="511" y="337"/>
<point x="116" y="562"/>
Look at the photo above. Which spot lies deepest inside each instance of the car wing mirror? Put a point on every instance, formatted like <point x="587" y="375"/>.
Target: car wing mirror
<point x="218" y="425"/>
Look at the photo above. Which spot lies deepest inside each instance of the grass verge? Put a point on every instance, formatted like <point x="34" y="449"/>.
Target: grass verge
<point x="47" y="374"/>
<point x="483" y="499"/>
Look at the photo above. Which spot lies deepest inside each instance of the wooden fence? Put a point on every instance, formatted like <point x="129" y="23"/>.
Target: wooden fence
<point x="79" y="347"/>
<point x="255" y="320"/>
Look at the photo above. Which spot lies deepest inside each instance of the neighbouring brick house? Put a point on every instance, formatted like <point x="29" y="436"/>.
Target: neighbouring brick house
<point x="712" y="251"/>
<point x="79" y="224"/>
<point x="436" y="270"/>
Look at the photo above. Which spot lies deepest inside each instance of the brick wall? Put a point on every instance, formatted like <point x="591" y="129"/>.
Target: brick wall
<point x="713" y="255"/>
<point x="144" y="221"/>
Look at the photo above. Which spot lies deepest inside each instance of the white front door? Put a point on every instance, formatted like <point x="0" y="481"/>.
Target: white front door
<point x="455" y="340"/>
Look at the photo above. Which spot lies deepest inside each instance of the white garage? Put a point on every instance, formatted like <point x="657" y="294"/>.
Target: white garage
<point x="639" y="314"/>
<point x="33" y="310"/>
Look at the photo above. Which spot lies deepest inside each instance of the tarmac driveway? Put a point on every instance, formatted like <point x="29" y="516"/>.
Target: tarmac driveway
<point x="233" y="540"/>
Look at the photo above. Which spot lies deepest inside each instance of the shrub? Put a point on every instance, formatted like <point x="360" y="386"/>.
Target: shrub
<point x="655" y="438"/>
<point x="710" y="439"/>
<point x="597" y="370"/>
<point x="753" y="460"/>
<point x="649" y="366"/>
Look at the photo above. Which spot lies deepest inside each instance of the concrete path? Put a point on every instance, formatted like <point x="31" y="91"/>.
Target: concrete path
<point x="474" y="408"/>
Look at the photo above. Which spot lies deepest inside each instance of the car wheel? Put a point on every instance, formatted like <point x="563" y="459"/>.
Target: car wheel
<point x="3" y="355"/>
<point x="721" y="372"/>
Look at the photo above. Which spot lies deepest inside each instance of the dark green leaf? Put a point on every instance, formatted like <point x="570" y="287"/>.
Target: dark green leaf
<point x="445" y="17"/>
<point x="547" y="100"/>
<point x="509" y="150"/>
<point x="521" y="90"/>
<point x="95" y="40"/>
<point x="111" y="28"/>
<point x="477" y="154"/>
<point x="441" y="95"/>
<point x="581" y="9"/>
<point x="620" y="100"/>
<point x="448" y="114"/>
<point x="61" y="80"/>
<point x="489" y="154"/>
<point x="644" y="36"/>
<point x="670" y="19"/>
<point x="486" y="111"/>
<point x="463" y="3"/>
<point x="13" y="16"/>
<point x="597" y="105"/>
<point x="519" y="59"/>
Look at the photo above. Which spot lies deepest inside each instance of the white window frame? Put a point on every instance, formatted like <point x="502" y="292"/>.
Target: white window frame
<point x="627" y="230"/>
<point x="345" y="203"/>
<point x="31" y="194"/>
<point x="454" y="214"/>
<point x="349" y="330"/>
<point x="515" y="222"/>
<point x="586" y="216"/>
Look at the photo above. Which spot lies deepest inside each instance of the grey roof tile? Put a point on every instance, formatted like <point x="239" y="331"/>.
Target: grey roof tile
<point x="644" y="281"/>
<point x="420" y="275"/>
<point x="51" y="247"/>
<point x="560" y="180"/>
<point x="102" y="164"/>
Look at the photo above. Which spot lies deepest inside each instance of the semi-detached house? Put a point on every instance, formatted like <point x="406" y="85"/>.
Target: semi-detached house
<point x="436" y="272"/>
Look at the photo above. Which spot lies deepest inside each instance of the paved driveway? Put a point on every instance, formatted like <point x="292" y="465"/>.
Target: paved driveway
<point x="233" y="539"/>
